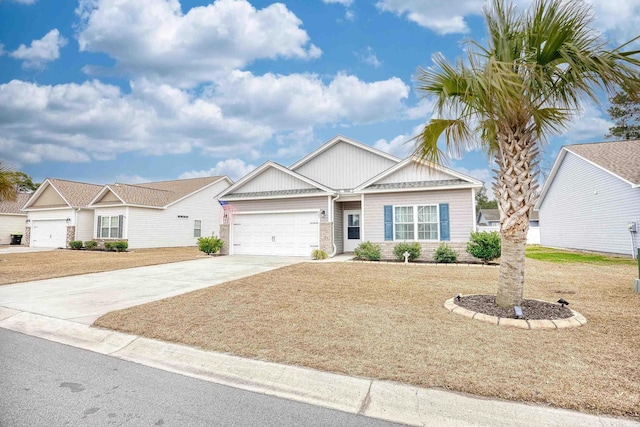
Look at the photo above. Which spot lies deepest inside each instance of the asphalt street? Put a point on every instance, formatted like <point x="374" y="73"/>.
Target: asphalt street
<point x="44" y="383"/>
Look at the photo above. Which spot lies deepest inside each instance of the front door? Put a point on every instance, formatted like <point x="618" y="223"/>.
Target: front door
<point x="352" y="222"/>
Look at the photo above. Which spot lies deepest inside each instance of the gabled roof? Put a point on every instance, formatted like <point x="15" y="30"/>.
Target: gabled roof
<point x="14" y="207"/>
<point x="316" y="186"/>
<point x="494" y="215"/>
<point x="336" y="140"/>
<point x="618" y="158"/>
<point x="457" y="179"/>
<point x="157" y="194"/>
<point x="75" y="194"/>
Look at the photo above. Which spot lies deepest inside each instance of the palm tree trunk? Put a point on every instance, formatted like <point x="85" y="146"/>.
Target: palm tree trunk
<point x="515" y="191"/>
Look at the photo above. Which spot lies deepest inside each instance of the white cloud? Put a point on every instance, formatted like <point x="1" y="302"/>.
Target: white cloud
<point x="423" y="110"/>
<point x="233" y="168"/>
<point x="483" y="174"/>
<point x="342" y="2"/>
<point x="400" y="146"/>
<point x="41" y="51"/>
<point x="300" y="100"/>
<point x="368" y="56"/>
<point x="155" y="39"/>
<point x="620" y="19"/>
<point x="132" y="179"/>
<point x="27" y="2"/>
<point x="442" y="17"/>
<point x="590" y="124"/>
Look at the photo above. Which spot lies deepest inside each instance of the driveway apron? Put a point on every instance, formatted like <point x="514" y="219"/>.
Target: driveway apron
<point x="86" y="297"/>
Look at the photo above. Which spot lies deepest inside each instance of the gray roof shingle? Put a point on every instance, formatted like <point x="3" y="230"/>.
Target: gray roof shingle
<point x="159" y="194"/>
<point x="78" y="194"/>
<point x="417" y="184"/>
<point x="621" y="158"/>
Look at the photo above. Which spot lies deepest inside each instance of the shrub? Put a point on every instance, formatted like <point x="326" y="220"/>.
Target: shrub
<point x="414" y="250"/>
<point x="90" y="244"/>
<point x="318" y="254"/>
<point x="367" y="251"/>
<point x="121" y="246"/>
<point x="445" y="254"/>
<point x="108" y="246"/>
<point x="210" y="245"/>
<point x="484" y="245"/>
<point x="75" y="244"/>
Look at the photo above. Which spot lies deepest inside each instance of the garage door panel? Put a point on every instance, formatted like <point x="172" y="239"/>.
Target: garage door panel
<point x="281" y="234"/>
<point x="48" y="233"/>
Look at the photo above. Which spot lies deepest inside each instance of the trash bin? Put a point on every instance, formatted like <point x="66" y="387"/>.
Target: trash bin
<point x="16" y="239"/>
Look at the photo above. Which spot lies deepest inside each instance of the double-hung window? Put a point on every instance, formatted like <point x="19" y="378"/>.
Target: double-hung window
<point x="109" y="227"/>
<point x="418" y="222"/>
<point x="197" y="228"/>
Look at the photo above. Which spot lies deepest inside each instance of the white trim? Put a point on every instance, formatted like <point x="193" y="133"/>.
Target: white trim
<point x="284" y="196"/>
<point x="94" y="207"/>
<point x="20" y="214"/>
<point x="475" y="214"/>
<point x="414" y="159"/>
<point x="362" y="219"/>
<point x="415" y="222"/>
<point x="257" y="171"/>
<point x="199" y="190"/>
<point x="599" y="167"/>
<point x="404" y="190"/>
<point x="101" y="194"/>
<point x="277" y="212"/>
<point x="41" y="190"/>
<point x="345" y="228"/>
<point x="48" y="209"/>
<point x="334" y="141"/>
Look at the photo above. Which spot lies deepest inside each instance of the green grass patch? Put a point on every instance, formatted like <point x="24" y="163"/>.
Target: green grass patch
<point x="560" y="256"/>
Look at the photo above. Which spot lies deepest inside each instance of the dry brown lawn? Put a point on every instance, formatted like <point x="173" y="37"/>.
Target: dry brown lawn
<point x="388" y="322"/>
<point x="27" y="266"/>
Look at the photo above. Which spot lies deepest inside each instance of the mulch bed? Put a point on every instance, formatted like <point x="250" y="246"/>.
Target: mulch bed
<point x="531" y="309"/>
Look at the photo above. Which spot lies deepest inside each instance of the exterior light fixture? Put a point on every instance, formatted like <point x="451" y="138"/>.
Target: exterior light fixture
<point x="27" y="221"/>
<point x="518" y="311"/>
<point x="68" y="220"/>
<point x="458" y="297"/>
<point x="563" y="302"/>
<point x="323" y="213"/>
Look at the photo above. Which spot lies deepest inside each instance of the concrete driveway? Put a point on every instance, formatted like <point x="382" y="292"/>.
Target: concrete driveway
<point x="86" y="297"/>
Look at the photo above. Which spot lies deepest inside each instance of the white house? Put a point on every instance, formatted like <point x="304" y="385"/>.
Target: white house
<point x="591" y="199"/>
<point x="12" y="219"/>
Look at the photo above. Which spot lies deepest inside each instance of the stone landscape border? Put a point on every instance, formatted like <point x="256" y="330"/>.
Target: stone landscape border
<point x="571" y="322"/>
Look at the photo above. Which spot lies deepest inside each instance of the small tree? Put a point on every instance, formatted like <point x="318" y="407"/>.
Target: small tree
<point x="445" y="254"/>
<point x="483" y="202"/>
<point x="210" y="245"/>
<point x="484" y="245"/>
<point x="625" y="110"/>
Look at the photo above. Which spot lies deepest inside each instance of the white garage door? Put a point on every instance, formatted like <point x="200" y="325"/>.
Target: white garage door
<point x="48" y="233"/>
<point x="282" y="234"/>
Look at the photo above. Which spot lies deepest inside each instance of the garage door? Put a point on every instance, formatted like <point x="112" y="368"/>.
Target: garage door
<point x="48" y="233"/>
<point x="282" y="234"/>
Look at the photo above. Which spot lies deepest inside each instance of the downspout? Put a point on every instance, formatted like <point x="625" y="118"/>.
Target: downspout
<point x="333" y="225"/>
<point x="75" y="224"/>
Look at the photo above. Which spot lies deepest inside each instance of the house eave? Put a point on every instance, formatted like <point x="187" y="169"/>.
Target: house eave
<point x="406" y="190"/>
<point x="282" y="196"/>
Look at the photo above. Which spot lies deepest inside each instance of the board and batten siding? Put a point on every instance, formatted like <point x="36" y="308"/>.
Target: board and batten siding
<point x="158" y="228"/>
<point x="413" y="172"/>
<point x="344" y="166"/>
<point x="461" y="218"/>
<point x="10" y="223"/>
<point x="589" y="209"/>
<point x="284" y="204"/>
<point x="273" y="179"/>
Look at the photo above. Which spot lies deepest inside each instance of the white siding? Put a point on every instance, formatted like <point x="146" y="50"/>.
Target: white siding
<point x="10" y="224"/>
<point x="84" y="225"/>
<point x="52" y="214"/>
<point x="414" y="172"/>
<point x="461" y="217"/>
<point x="272" y="179"/>
<point x="288" y="204"/>
<point x="112" y="211"/>
<point x="155" y="228"/>
<point x="344" y="166"/>
<point x="587" y="208"/>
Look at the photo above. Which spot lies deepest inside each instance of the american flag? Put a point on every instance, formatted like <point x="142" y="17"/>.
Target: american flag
<point x="228" y="211"/>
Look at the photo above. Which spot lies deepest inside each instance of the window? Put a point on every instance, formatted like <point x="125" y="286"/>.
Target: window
<point x="109" y="227"/>
<point x="415" y="222"/>
<point x="197" y="228"/>
<point x="403" y="220"/>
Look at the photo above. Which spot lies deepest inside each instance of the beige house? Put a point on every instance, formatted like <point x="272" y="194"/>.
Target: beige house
<point x="155" y="214"/>
<point x="345" y="193"/>
<point x="12" y="219"/>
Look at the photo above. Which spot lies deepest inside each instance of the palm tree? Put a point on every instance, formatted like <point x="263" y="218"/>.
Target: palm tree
<point x="527" y="83"/>
<point x="8" y="190"/>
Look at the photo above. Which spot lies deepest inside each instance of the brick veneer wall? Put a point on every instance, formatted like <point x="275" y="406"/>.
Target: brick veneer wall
<point x="27" y="236"/>
<point x="101" y="241"/>
<point x="326" y="238"/>
<point x="428" y="248"/>
<point x="224" y="235"/>
<point x="71" y="235"/>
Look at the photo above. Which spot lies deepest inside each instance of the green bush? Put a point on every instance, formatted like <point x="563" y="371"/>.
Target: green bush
<point x="319" y="254"/>
<point x="445" y="254"/>
<point x="484" y="245"/>
<point x="367" y="251"/>
<point x="117" y="246"/>
<point x="414" y="250"/>
<point x="75" y="244"/>
<point x="90" y="244"/>
<point x="210" y="245"/>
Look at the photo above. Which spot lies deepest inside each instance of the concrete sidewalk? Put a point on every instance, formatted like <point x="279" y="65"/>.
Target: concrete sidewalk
<point x="379" y="399"/>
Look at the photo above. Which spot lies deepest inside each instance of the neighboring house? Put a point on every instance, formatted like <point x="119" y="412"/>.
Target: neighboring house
<point x="489" y="220"/>
<point x="159" y="214"/>
<point x="12" y="219"/>
<point x="345" y="193"/>
<point x="58" y="213"/>
<point x="155" y="214"/>
<point x="592" y="198"/>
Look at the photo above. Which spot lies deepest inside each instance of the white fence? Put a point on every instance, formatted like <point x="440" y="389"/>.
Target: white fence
<point x="533" y="236"/>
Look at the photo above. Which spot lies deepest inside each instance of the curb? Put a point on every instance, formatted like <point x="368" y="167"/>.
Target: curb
<point x="390" y="401"/>
<point x="571" y="322"/>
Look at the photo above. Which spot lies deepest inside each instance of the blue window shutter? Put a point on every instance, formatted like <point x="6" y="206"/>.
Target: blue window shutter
<point x="444" y="221"/>
<point x="388" y="222"/>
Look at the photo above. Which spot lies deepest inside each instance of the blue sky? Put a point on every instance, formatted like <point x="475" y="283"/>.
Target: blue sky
<point x="141" y="90"/>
